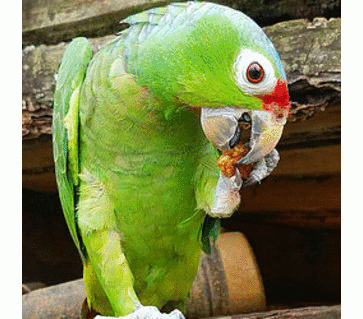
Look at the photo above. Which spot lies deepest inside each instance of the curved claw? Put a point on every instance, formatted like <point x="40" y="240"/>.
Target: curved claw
<point x="263" y="168"/>
<point x="250" y="182"/>
<point x="272" y="160"/>
<point x="258" y="173"/>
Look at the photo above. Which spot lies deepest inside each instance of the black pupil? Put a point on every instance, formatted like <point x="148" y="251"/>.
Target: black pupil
<point x="254" y="72"/>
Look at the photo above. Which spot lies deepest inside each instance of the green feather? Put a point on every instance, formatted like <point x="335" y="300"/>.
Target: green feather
<point x="70" y="76"/>
<point x="211" y="228"/>
<point x="181" y="69"/>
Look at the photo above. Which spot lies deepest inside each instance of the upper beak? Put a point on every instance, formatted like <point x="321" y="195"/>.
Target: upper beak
<point x="221" y="124"/>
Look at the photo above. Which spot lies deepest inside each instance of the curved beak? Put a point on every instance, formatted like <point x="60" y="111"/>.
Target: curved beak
<point x="266" y="132"/>
<point x="221" y="124"/>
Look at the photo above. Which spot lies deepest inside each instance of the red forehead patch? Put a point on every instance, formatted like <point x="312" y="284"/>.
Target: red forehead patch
<point x="278" y="100"/>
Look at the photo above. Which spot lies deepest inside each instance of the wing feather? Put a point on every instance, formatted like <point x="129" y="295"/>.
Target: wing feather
<point x="70" y="77"/>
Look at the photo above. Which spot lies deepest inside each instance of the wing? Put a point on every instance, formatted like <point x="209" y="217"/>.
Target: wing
<point x="206" y="180"/>
<point x="70" y="77"/>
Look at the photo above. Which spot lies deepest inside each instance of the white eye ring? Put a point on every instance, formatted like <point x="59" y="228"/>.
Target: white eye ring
<point x="241" y="65"/>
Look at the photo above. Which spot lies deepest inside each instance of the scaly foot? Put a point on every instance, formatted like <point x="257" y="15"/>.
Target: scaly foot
<point x="227" y="196"/>
<point x="263" y="168"/>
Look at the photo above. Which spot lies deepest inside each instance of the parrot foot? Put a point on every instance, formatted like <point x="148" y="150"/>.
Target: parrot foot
<point x="148" y="312"/>
<point x="227" y="196"/>
<point x="263" y="168"/>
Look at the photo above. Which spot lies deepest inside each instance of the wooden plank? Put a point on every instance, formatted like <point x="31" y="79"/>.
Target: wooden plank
<point x="303" y="191"/>
<point x="313" y="88"/>
<point x="308" y="48"/>
<point x="330" y="220"/>
<point x="311" y="55"/>
<point x="39" y="67"/>
<point x="317" y="161"/>
<point x="297" y="264"/>
<point x="38" y="164"/>
<point x="321" y="127"/>
<point x="331" y="312"/>
<point x="309" y="194"/>
<point x="53" y="21"/>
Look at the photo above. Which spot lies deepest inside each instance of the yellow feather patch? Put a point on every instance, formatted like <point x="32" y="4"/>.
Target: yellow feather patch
<point x="95" y="210"/>
<point x="71" y="125"/>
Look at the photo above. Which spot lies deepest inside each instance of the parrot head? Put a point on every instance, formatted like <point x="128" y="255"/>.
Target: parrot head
<point x="218" y="61"/>
<point x="259" y="78"/>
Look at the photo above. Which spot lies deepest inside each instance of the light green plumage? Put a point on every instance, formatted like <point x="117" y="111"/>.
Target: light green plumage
<point x="147" y="166"/>
<point x="131" y="155"/>
<point x="189" y="64"/>
<point x="65" y="147"/>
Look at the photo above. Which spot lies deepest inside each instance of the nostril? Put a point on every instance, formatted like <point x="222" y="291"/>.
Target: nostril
<point x="236" y="137"/>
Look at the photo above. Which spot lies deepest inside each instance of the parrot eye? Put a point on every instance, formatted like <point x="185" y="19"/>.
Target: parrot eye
<point x="255" y="72"/>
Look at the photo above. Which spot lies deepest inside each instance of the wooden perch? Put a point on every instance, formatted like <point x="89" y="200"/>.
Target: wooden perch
<point x="228" y="282"/>
<point x="331" y="312"/>
<point x="306" y="202"/>
<point x="65" y="301"/>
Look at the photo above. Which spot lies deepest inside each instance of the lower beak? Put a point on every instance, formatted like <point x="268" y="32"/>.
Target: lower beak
<point x="221" y="124"/>
<point x="266" y="132"/>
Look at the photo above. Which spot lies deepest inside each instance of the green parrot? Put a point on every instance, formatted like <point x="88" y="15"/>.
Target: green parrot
<point x="138" y="128"/>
